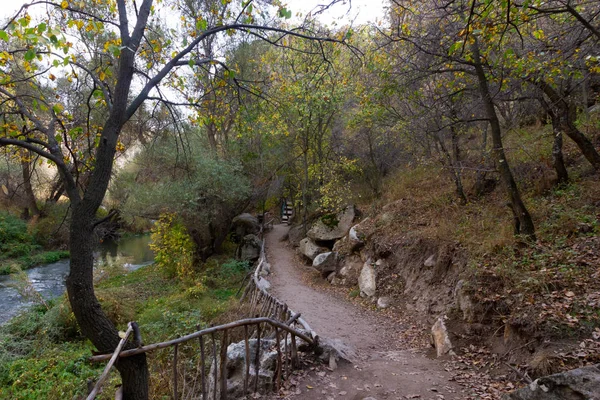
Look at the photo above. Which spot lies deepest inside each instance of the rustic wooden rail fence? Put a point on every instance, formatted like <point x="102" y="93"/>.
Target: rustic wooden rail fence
<point x="199" y="359"/>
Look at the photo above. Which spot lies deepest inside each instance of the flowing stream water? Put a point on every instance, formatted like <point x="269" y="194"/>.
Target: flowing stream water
<point x="49" y="279"/>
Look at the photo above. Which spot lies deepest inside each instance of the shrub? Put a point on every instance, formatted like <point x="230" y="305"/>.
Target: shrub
<point x="15" y="240"/>
<point x="173" y="247"/>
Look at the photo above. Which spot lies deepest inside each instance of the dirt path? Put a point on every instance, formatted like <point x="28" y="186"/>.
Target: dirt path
<point x="382" y="369"/>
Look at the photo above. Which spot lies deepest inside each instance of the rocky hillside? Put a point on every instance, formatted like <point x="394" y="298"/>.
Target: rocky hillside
<point x="523" y="309"/>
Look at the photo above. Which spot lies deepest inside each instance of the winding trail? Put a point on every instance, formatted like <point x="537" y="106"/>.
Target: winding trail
<point x="382" y="369"/>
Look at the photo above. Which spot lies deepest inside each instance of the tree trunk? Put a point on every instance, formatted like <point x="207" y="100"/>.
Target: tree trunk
<point x="557" y="155"/>
<point x="92" y="320"/>
<point x="525" y="223"/>
<point x="565" y="115"/>
<point x="29" y="195"/>
<point x="481" y="173"/>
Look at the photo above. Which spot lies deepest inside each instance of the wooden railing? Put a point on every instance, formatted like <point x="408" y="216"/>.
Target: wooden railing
<point x="264" y="304"/>
<point x="203" y="374"/>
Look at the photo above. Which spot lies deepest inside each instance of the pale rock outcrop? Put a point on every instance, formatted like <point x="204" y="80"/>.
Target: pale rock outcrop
<point x="367" y="281"/>
<point x="335" y="349"/>
<point x="236" y="368"/>
<point x="322" y="232"/>
<point x="263" y="284"/>
<point x="441" y="338"/>
<point x="384" y="302"/>
<point x="576" y="384"/>
<point x="430" y="262"/>
<point x="325" y="262"/>
<point x="310" y="249"/>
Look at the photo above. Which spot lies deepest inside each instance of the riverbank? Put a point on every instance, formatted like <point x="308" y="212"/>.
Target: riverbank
<point x="7" y="266"/>
<point x="43" y="354"/>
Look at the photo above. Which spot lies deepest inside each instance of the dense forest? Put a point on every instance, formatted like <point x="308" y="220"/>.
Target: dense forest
<point x="477" y="119"/>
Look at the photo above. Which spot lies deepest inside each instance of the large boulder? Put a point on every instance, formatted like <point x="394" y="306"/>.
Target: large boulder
<point x="335" y="228"/>
<point x="310" y="249"/>
<point x="249" y="248"/>
<point x="325" y="263"/>
<point x="244" y="224"/>
<point x="577" y="384"/>
<point x="336" y="349"/>
<point x="367" y="281"/>
<point x="296" y="234"/>
<point x="236" y="368"/>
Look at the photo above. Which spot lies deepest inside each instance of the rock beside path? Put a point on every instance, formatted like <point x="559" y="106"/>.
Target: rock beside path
<point x="249" y="248"/>
<point x="577" y="384"/>
<point x="236" y="368"/>
<point x="441" y="338"/>
<point x="244" y="224"/>
<point x="310" y="249"/>
<point x="325" y="263"/>
<point x="367" y="281"/>
<point x="339" y="227"/>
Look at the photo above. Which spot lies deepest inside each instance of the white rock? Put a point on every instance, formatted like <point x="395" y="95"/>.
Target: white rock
<point x="384" y="302"/>
<point x="325" y="262"/>
<point x="430" y="262"/>
<point x="367" y="281"/>
<point x="310" y="249"/>
<point x="263" y="284"/>
<point x="320" y="231"/>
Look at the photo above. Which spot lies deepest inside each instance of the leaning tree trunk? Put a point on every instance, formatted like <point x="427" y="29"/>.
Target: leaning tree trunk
<point x="565" y="115"/>
<point x="92" y="320"/>
<point x="523" y="222"/>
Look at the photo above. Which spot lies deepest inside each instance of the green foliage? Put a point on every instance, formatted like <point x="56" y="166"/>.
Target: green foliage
<point x="188" y="182"/>
<point x="173" y="247"/>
<point x="15" y="240"/>
<point x="20" y="248"/>
<point x="234" y="268"/>
<point x="51" y="231"/>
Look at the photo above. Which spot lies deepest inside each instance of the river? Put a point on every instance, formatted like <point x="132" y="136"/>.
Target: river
<point x="49" y="279"/>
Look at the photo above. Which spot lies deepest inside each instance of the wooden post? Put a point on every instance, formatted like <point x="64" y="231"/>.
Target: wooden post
<point x="214" y="353"/>
<point x="112" y="360"/>
<point x="175" y="393"/>
<point x="247" y="360"/>
<point x="257" y="358"/>
<point x="278" y="375"/>
<point x="223" y="372"/>
<point x="294" y="352"/>
<point x="202" y="366"/>
<point x="286" y="360"/>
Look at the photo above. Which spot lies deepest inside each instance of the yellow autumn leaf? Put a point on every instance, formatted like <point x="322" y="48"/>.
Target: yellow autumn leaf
<point x="64" y="4"/>
<point x="102" y="75"/>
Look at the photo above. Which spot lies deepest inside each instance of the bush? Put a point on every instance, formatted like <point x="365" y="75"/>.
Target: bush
<point x="15" y="240"/>
<point x="173" y="247"/>
<point x="52" y="231"/>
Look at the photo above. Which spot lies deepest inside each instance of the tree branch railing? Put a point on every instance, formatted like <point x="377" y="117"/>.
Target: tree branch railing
<point x="199" y="365"/>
